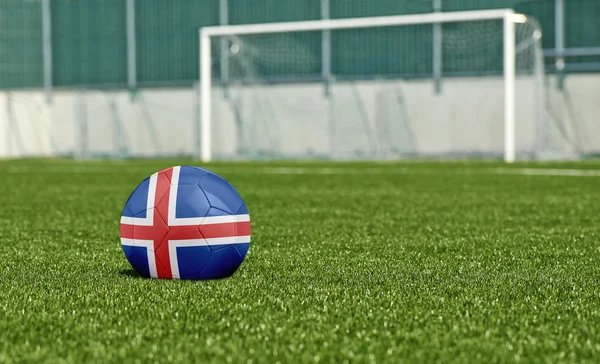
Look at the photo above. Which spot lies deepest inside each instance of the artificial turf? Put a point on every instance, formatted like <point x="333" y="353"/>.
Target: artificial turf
<point x="395" y="262"/>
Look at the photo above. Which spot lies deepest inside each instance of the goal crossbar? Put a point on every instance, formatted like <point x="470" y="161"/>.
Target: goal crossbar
<point x="507" y="15"/>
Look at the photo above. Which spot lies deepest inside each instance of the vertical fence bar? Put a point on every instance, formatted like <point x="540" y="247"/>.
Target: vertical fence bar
<point x="326" y="75"/>
<point x="131" y="45"/>
<point x="326" y="49"/>
<point x="559" y="38"/>
<point x="224" y="47"/>
<point x="47" y="48"/>
<point x="437" y="49"/>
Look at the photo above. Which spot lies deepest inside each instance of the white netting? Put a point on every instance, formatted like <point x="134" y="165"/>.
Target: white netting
<point x="269" y="97"/>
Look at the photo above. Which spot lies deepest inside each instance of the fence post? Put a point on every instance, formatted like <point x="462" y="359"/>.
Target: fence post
<point x="326" y="49"/>
<point x="224" y="47"/>
<point x="131" y="44"/>
<point x="437" y="49"/>
<point x="559" y="38"/>
<point x="47" y="48"/>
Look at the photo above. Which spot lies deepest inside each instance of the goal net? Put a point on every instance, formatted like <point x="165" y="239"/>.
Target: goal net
<point x="440" y="85"/>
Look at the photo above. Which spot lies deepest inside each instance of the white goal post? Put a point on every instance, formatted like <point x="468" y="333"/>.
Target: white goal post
<point x="508" y="17"/>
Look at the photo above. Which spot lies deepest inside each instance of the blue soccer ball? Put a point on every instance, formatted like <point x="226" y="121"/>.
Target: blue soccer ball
<point x="185" y="223"/>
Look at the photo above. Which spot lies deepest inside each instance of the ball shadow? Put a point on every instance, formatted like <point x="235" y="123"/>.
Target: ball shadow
<point x="130" y="273"/>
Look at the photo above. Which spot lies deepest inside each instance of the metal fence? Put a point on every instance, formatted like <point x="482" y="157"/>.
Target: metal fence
<point x="129" y="43"/>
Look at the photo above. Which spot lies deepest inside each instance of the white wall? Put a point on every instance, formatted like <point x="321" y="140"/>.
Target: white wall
<point x="25" y="125"/>
<point x="297" y="119"/>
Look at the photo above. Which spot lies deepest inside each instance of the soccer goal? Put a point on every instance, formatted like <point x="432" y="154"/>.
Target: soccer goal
<point x="439" y="85"/>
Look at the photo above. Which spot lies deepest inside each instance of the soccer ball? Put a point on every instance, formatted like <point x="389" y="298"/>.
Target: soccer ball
<point x="185" y="223"/>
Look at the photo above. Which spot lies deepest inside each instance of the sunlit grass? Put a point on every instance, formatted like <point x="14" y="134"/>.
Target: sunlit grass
<point x="414" y="262"/>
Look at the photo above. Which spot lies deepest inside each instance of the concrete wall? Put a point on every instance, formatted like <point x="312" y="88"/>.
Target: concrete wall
<point x="393" y="117"/>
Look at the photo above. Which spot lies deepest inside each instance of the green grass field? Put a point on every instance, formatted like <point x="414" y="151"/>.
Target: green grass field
<point x="349" y="262"/>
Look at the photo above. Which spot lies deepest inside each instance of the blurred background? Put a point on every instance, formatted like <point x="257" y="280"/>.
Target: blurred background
<point x="119" y="79"/>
